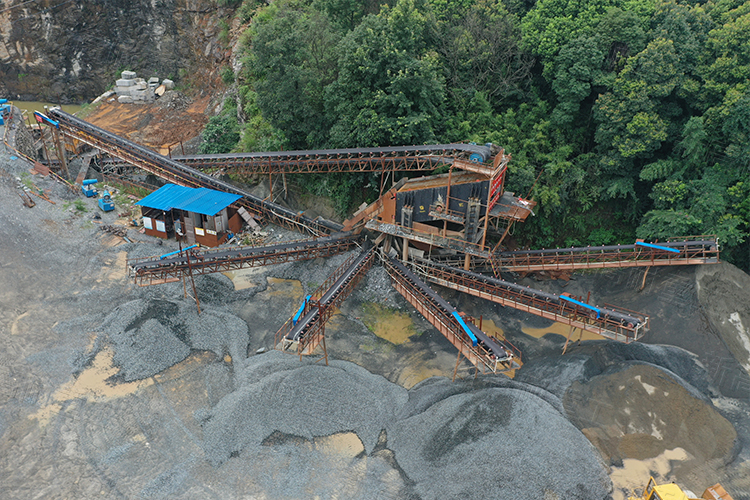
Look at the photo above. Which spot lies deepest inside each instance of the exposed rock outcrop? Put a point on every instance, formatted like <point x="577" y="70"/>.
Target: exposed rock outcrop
<point x="71" y="53"/>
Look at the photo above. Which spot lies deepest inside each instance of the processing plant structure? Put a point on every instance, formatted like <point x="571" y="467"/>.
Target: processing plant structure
<point x="445" y="229"/>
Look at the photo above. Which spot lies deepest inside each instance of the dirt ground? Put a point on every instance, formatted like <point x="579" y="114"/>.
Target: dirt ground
<point x="162" y="125"/>
<point x="72" y="427"/>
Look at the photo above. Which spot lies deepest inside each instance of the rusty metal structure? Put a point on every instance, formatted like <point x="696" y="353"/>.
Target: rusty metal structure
<point x="383" y="159"/>
<point x="306" y="331"/>
<point x="608" y="321"/>
<point x="155" y="270"/>
<point x="171" y="171"/>
<point x="452" y="212"/>
<point x="489" y="354"/>
<point x="690" y="250"/>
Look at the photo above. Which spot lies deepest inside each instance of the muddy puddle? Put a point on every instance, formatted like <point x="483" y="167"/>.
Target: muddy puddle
<point x="394" y="326"/>
<point x="560" y="329"/>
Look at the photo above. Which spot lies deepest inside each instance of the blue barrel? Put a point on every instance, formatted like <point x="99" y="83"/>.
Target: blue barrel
<point x="476" y="158"/>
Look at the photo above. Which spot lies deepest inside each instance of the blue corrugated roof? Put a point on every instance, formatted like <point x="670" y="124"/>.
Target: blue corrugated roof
<point x="209" y="202"/>
<point x="199" y="200"/>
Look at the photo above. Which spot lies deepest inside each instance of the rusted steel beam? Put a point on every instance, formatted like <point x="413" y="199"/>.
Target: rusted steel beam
<point x="154" y="271"/>
<point x="539" y="304"/>
<point x="345" y="278"/>
<point x="177" y="173"/>
<point x="691" y="252"/>
<point x="316" y="165"/>
<point x="446" y="324"/>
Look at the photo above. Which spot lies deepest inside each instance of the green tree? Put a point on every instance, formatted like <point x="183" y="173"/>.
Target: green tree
<point x="551" y="24"/>
<point x="478" y="45"/>
<point x="388" y="91"/>
<point x="292" y="60"/>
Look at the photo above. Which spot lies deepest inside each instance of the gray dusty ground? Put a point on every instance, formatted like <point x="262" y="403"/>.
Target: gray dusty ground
<point x="111" y="391"/>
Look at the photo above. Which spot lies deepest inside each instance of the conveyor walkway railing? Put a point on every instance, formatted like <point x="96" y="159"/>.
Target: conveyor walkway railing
<point x="488" y="354"/>
<point x="689" y="250"/>
<point x="608" y="321"/>
<point x="305" y="331"/>
<point x="380" y="159"/>
<point x="175" y="172"/>
<point x="155" y="270"/>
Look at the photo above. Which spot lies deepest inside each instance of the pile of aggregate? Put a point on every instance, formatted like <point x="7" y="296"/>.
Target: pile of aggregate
<point x="377" y="287"/>
<point x="301" y="399"/>
<point x="594" y="358"/>
<point x="497" y="442"/>
<point x="491" y="438"/>
<point x="150" y="335"/>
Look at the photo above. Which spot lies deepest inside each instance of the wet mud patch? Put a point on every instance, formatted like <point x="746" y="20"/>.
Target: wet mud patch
<point x="388" y="323"/>
<point x="642" y="411"/>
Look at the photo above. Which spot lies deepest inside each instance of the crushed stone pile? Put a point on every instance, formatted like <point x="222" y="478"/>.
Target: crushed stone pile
<point x="496" y="443"/>
<point x="625" y="427"/>
<point x="593" y="358"/>
<point x="150" y="335"/>
<point x="304" y="400"/>
<point x="443" y="439"/>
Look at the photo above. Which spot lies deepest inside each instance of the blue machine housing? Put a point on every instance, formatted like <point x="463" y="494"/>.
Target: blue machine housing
<point x="88" y="188"/>
<point x="106" y="203"/>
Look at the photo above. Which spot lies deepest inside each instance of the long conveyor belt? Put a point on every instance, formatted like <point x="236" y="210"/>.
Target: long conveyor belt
<point x="155" y="270"/>
<point x="609" y="322"/>
<point x="173" y="171"/>
<point x="394" y="158"/>
<point x="685" y="251"/>
<point x="306" y="330"/>
<point x="484" y="351"/>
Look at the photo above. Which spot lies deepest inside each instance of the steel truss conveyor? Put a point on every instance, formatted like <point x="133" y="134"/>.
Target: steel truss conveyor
<point x="155" y="270"/>
<point x="487" y="353"/>
<point x="177" y="173"/>
<point x="676" y="251"/>
<point x="382" y="159"/>
<point x="305" y="331"/>
<point x="609" y="322"/>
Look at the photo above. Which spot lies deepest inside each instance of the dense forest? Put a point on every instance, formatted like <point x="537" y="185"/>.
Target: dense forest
<point x="624" y="118"/>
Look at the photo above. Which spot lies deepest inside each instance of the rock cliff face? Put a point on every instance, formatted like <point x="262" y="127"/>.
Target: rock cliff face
<point x="69" y="52"/>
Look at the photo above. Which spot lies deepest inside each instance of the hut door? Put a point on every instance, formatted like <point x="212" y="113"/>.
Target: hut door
<point x="189" y="228"/>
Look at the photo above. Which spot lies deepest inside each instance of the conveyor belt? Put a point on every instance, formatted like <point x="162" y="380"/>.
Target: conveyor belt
<point x="487" y="352"/>
<point x="307" y="332"/>
<point x="178" y="173"/>
<point x="691" y="250"/>
<point x="397" y="158"/>
<point x="154" y="270"/>
<point x="608" y="321"/>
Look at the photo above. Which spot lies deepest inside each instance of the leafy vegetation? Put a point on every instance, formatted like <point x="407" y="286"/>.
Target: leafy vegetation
<point x="634" y="115"/>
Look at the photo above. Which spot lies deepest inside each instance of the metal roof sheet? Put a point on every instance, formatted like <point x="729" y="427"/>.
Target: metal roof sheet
<point x="209" y="202"/>
<point x="199" y="200"/>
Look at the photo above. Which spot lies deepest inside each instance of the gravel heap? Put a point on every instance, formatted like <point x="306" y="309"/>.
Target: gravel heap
<point x="302" y="399"/>
<point x="150" y="335"/>
<point x="174" y="100"/>
<point x="446" y="440"/>
<point x="594" y="358"/>
<point x="490" y="443"/>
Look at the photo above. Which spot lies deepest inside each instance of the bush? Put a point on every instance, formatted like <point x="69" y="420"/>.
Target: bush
<point x="227" y="75"/>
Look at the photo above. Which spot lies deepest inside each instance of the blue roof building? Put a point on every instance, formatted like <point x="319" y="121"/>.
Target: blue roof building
<point x="197" y="215"/>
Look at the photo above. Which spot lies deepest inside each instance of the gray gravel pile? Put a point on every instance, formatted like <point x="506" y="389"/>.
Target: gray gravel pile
<point x="377" y="287"/>
<point x="174" y="100"/>
<point x="299" y="399"/>
<point x="218" y="331"/>
<point x="439" y="440"/>
<point x="312" y="276"/>
<point x="489" y="443"/>
<point x="593" y="358"/>
<point x="147" y="350"/>
<point x="150" y="335"/>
